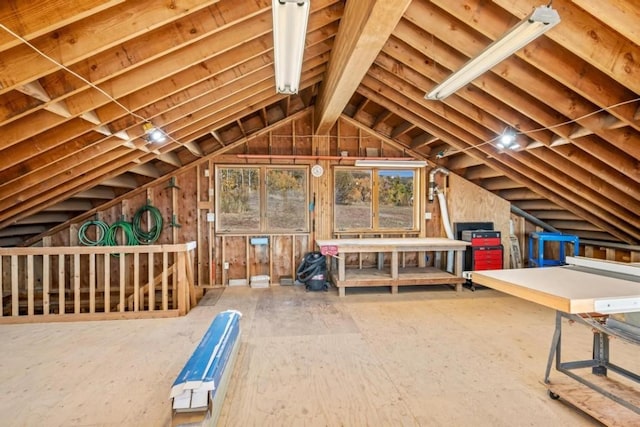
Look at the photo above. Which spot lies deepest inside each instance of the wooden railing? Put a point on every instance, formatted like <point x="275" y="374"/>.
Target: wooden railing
<point x="95" y="283"/>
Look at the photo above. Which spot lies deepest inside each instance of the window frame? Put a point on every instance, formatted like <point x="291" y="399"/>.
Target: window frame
<point x="263" y="170"/>
<point x="375" y="208"/>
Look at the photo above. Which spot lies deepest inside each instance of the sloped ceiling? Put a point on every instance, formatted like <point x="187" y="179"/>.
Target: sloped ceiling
<point x="71" y="134"/>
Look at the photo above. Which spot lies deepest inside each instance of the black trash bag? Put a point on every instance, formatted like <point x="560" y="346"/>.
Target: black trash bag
<point x="312" y="271"/>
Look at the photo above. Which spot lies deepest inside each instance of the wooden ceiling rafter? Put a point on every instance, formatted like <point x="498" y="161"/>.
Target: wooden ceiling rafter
<point x="598" y="192"/>
<point x="364" y="28"/>
<point x="542" y="184"/>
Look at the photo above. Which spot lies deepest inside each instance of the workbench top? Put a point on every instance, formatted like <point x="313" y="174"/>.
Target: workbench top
<point x="563" y="288"/>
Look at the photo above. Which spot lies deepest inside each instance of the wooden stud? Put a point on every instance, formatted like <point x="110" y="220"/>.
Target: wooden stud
<point x="136" y="281"/>
<point x="15" y="301"/>
<point x="30" y="291"/>
<point x="165" y="281"/>
<point x="122" y="281"/>
<point x="92" y="283"/>
<point x="107" y="282"/>
<point x="76" y="283"/>
<point x="61" y="284"/>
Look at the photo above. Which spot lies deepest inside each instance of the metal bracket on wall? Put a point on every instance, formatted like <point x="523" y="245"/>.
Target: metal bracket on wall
<point x="172" y="183"/>
<point x="174" y="222"/>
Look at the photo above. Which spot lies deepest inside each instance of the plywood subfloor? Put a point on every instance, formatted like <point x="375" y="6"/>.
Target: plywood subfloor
<point x="424" y="357"/>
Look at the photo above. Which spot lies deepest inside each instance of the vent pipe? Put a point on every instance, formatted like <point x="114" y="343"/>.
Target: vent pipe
<point x="432" y="180"/>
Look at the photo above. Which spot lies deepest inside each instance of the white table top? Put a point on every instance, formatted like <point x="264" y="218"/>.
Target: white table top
<point x="565" y="288"/>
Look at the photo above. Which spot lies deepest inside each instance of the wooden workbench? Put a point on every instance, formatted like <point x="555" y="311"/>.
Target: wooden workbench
<point x="578" y="294"/>
<point x="394" y="276"/>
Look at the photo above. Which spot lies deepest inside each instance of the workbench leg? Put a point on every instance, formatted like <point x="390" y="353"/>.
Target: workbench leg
<point x="458" y="287"/>
<point x="394" y="289"/>
<point x="555" y="347"/>
<point x="600" y="353"/>
<point x="341" y="291"/>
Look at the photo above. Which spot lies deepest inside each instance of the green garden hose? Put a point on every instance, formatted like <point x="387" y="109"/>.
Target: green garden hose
<point x="111" y="238"/>
<point x="101" y="232"/>
<point x="147" y="237"/>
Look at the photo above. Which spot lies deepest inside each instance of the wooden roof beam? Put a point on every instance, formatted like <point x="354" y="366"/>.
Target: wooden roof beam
<point x="146" y="169"/>
<point x="364" y="28"/>
<point x="97" y="33"/>
<point x="598" y="192"/>
<point x="31" y="22"/>
<point x="540" y="182"/>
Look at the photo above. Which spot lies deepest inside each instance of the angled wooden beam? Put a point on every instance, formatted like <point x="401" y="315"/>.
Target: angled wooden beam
<point x="108" y="28"/>
<point x="31" y="22"/>
<point x="146" y="169"/>
<point x="364" y="29"/>
<point x="77" y="205"/>
<point x="96" y="193"/>
<point x="423" y="139"/>
<point x="45" y="218"/>
<point x="539" y="182"/>
<point x="401" y="129"/>
<point x="194" y="148"/>
<point x="121" y="181"/>
<point x="171" y="158"/>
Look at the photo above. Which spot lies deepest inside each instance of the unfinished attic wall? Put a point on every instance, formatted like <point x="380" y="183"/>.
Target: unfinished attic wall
<point x="471" y="203"/>
<point x="175" y="197"/>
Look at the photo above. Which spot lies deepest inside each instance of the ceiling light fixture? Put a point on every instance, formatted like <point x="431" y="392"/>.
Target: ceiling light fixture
<point x="153" y="133"/>
<point x="392" y="164"/>
<point x="541" y="20"/>
<point x="289" y="31"/>
<point x="508" y="140"/>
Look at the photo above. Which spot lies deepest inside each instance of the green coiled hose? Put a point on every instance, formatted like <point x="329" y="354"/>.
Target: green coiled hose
<point x="147" y="237"/>
<point x="101" y="232"/>
<point x="111" y="238"/>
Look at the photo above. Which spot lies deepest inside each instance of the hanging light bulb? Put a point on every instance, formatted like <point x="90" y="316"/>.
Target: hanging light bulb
<point x="508" y="140"/>
<point x="153" y="133"/>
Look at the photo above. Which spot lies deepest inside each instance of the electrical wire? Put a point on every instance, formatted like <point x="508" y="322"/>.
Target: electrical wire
<point x="86" y="81"/>
<point x="568" y="122"/>
<point x="146" y="120"/>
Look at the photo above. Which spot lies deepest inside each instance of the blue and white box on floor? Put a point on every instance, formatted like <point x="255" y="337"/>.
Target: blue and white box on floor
<point x="199" y="390"/>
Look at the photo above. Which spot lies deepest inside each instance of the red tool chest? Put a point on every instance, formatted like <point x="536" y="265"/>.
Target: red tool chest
<point x="485" y="252"/>
<point x="486" y="257"/>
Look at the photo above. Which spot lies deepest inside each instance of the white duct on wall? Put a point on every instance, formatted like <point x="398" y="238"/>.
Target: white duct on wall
<point x="444" y="212"/>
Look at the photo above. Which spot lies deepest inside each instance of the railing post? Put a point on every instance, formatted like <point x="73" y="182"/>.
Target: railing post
<point x="183" y="289"/>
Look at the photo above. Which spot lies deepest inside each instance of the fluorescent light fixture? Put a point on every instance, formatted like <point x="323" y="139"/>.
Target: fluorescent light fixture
<point x="541" y="20"/>
<point x="392" y="164"/>
<point x="289" y="31"/>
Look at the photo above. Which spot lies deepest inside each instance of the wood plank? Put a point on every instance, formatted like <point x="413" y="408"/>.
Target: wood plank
<point x="14" y="286"/>
<point x="80" y="40"/>
<point x="597" y="405"/>
<point x="165" y="281"/>
<point x="30" y="281"/>
<point x="34" y="21"/>
<point x="92" y="283"/>
<point x="76" y="283"/>
<point x="364" y="29"/>
<point x="561" y="288"/>
<point x="61" y="284"/>
<point x="122" y="281"/>
<point x="107" y="282"/>
<point x="136" y="282"/>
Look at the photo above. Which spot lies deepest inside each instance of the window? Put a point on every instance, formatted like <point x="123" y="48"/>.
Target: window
<point x="372" y="200"/>
<point x="262" y="199"/>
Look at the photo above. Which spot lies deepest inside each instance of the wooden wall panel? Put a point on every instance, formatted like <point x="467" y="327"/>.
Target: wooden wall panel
<point x="282" y="258"/>
<point x="469" y="203"/>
